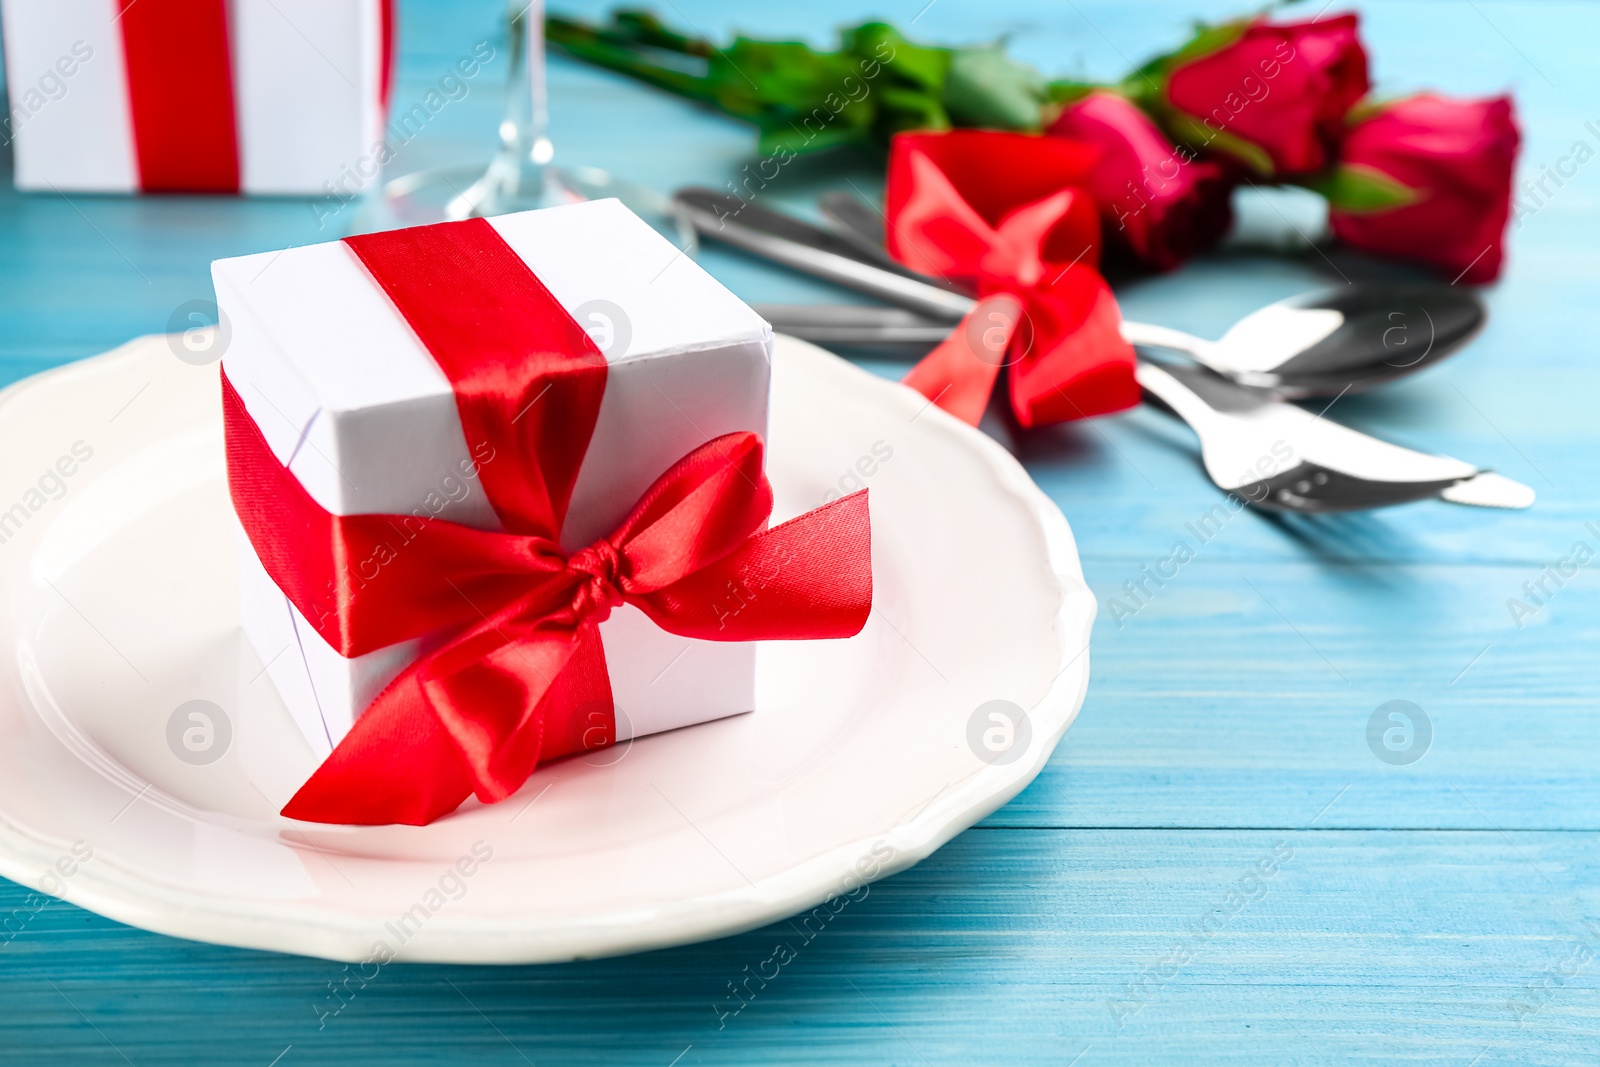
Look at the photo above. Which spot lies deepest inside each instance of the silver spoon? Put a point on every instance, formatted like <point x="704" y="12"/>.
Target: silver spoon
<point x="1333" y="342"/>
<point x="1324" y="344"/>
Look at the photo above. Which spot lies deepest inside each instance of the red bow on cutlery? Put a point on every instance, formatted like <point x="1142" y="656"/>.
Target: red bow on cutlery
<point x="1009" y="214"/>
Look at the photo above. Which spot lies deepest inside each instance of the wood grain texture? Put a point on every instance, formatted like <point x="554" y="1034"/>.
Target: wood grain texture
<point x="1443" y="912"/>
<point x="1154" y="946"/>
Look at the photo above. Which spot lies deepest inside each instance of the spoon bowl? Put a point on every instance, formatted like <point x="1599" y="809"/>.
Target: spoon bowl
<point x="1344" y="340"/>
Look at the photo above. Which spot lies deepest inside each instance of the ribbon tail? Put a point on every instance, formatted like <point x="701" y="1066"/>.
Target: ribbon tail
<point x="475" y="718"/>
<point x="960" y="374"/>
<point x="808" y="579"/>
<point x="396" y="765"/>
<point x="509" y="704"/>
<point x="1079" y="365"/>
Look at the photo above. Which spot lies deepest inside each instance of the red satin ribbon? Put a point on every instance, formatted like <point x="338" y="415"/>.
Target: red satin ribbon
<point x="180" y="94"/>
<point x="523" y="678"/>
<point x="180" y="91"/>
<point x="386" y="47"/>
<point x="1008" y="213"/>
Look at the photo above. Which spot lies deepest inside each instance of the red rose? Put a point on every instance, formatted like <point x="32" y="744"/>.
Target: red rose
<point x="1429" y="178"/>
<point x="1158" y="201"/>
<point x="1271" y="96"/>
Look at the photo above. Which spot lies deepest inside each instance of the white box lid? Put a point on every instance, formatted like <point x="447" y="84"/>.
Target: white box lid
<point x="349" y="399"/>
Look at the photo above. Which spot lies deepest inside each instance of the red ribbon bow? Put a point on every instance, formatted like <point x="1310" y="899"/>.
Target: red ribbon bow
<point x="1008" y="213"/>
<point x="178" y="57"/>
<point x="524" y="679"/>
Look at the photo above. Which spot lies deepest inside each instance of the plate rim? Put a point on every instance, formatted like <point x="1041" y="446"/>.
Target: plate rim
<point x="132" y="899"/>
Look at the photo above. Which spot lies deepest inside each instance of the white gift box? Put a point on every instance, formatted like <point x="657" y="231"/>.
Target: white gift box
<point x="307" y="76"/>
<point x="353" y="404"/>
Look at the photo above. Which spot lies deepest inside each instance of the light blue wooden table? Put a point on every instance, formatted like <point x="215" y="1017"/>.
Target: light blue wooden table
<point x="1442" y="912"/>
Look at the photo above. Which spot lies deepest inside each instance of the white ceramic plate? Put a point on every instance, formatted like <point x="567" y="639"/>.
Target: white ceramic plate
<point x="862" y="758"/>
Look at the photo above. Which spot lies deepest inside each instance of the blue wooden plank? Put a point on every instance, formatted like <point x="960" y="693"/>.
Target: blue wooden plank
<point x="1224" y="947"/>
<point x="1240" y="693"/>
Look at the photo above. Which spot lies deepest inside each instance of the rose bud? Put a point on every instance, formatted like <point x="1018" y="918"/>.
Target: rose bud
<point x="1428" y="178"/>
<point x="1272" y="97"/>
<point x="1159" y="203"/>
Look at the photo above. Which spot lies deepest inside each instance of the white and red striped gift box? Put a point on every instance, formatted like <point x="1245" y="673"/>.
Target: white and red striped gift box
<point x="220" y="96"/>
<point x="351" y="401"/>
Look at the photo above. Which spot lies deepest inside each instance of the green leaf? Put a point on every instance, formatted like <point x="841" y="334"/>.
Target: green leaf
<point x="778" y="73"/>
<point x="876" y="85"/>
<point x="1357" y="188"/>
<point x="1368" y="107"/>
<point x="909" y="109"/>
<point x="1209" y="39"/>
<point x="1196" y="134"/>
<point x="917" y="64"/>
<point x="786" y="138"/>
<point x="986" y="87"/>
<point x="606" y="48"/>
<point x="645" y="28"/>
<point x="1067" y="91"/>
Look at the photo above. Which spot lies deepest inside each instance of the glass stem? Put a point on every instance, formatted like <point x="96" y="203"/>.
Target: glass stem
<point x="519" y="173"/>
<point x="525" y="130"/>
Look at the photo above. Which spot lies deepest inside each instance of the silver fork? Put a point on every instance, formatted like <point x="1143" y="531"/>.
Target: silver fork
<point x="1283" y="457"/>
